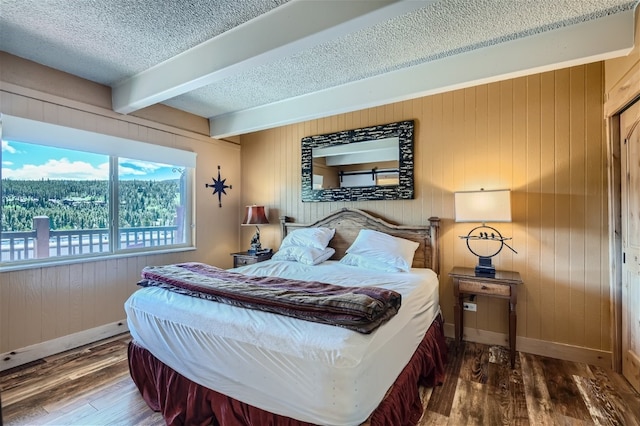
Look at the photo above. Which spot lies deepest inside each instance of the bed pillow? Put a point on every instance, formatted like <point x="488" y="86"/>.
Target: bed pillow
<point x="384" y="249"/>
<point x="371" y="265"/>
<point x="317" y="238"/>
<point x="306" y="255"/>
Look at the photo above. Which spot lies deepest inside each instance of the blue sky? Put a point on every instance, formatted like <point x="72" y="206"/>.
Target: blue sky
<point x="34" y="162"/>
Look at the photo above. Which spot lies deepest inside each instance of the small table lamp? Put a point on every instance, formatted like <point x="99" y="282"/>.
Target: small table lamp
<point x="254" y="215"/>
<point x="484" y="206"/>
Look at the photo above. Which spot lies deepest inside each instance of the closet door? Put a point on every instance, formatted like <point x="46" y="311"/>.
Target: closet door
<point x="630" y="194"/>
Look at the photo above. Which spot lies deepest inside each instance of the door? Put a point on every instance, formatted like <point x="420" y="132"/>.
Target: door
<point x="630" y="212"/>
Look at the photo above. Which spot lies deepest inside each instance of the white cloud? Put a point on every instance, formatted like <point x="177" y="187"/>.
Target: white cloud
<point x="8" y="148"/>
<point x="7" y="163"/>
<point x="59" y="169"/>
<point x="139" y="165"/>
<point x="128" y="171"/>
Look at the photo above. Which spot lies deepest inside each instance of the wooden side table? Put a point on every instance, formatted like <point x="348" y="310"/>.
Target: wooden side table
<point x="503" y="285"/>
<point x="244" y="258"/>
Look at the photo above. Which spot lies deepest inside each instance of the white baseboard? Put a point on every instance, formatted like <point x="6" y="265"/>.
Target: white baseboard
<point x="61" y="344"/>
<point x="536" y="346"/>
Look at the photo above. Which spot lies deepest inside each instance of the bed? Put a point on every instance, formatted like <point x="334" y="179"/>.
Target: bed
<point x="201" y="362"/>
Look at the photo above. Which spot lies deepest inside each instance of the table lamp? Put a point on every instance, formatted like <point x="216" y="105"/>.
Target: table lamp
<point x="254" y="215"/>
<point x="484" y="206"/>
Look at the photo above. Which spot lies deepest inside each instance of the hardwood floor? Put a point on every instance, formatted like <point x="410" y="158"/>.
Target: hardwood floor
<point x="91" y="386"/>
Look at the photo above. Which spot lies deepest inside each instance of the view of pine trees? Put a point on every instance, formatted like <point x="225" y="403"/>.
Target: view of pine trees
<point x="72" y="204"/>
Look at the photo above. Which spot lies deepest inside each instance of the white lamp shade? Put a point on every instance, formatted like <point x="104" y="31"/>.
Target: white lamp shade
<point x="483" y="206"/>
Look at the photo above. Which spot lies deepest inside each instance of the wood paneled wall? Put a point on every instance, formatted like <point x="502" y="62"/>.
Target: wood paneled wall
<point x="541" y="136"/>
<point x="41" y="304"/>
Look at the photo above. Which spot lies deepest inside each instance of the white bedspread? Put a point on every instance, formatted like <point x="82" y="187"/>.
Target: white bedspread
<point x="308" y="371"/>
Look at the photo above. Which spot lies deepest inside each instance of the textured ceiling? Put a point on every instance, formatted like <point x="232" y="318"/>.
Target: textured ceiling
<point x="260" y="63"/>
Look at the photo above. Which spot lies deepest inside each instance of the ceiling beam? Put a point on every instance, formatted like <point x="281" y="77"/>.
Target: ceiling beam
<point x="285" y="30"/>
<point x="600" y="39"/>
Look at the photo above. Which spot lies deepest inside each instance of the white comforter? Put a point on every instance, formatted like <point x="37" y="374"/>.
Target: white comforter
<point x="308" y="371"/>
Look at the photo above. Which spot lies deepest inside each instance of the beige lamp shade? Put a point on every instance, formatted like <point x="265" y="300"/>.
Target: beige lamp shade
<point x="483" y="206"/>
<point x="254" y="215"/>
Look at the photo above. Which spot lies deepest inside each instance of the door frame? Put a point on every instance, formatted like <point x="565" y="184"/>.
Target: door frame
<point x="623" y="95"/>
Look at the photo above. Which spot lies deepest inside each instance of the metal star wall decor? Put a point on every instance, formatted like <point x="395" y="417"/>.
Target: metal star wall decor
<point x="219" y="187"/>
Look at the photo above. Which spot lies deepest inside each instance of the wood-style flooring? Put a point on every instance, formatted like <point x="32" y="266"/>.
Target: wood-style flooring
<point x="91" y="386"/>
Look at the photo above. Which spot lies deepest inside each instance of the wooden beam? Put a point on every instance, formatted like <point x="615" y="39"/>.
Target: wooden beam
<point x="284" y="31"/>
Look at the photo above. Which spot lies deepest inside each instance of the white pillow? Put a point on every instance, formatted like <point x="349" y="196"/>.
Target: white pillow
<point x="364" y="263"/>
<point x="306" y="255"/>
<point x="383" y="248"/>
<point x="309" y="237"/>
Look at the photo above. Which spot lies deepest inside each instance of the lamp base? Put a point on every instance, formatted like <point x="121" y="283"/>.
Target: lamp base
<point x="255" y="245"/>
<point x="484" y="268"/>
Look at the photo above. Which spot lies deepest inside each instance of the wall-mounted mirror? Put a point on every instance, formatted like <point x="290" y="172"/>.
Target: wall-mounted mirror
<point x="372" y="163"/>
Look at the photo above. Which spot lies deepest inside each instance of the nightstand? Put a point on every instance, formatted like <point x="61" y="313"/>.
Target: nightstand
<point x="244" y="258"/>
<point x="503" y="285"/>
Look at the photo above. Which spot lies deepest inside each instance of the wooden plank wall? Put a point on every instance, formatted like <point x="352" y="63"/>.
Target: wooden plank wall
<point x="541" y="136"/>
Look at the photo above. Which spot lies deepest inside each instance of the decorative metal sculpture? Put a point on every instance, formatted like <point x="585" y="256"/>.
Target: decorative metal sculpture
<point x="484" y="266"/>
<point x="219" y="187"/>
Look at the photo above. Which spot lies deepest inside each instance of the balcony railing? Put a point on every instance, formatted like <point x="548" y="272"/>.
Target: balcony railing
<point x="43" y="243"/>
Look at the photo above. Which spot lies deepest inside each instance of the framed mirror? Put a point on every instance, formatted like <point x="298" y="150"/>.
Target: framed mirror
<point x="372" y="163"/>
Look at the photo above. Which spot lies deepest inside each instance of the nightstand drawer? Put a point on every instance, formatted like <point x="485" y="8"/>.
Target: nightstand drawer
<point x="477" y="287"/>
<point x="246" y="260"/>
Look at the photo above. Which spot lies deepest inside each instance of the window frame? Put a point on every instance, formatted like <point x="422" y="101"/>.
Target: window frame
<point x="31" y="131"/>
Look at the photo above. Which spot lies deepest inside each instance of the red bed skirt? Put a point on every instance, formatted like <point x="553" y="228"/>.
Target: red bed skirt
<point x="183" y="402"/>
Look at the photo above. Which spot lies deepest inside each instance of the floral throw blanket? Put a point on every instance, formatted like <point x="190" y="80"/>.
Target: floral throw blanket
<point x="362" y="309"/>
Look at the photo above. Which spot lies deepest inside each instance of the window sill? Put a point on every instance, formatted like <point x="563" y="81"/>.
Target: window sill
<point x="8" y="267"/>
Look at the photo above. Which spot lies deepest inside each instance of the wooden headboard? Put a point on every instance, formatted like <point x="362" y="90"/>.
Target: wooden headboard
<point x="348" y="222"/>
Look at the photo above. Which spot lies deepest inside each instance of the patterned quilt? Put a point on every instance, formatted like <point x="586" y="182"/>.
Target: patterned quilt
<point x="362" y="309"/>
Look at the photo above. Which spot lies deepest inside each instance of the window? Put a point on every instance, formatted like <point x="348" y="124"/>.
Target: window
<point x="70" y="193"/>
<point x="151" y="204"/>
